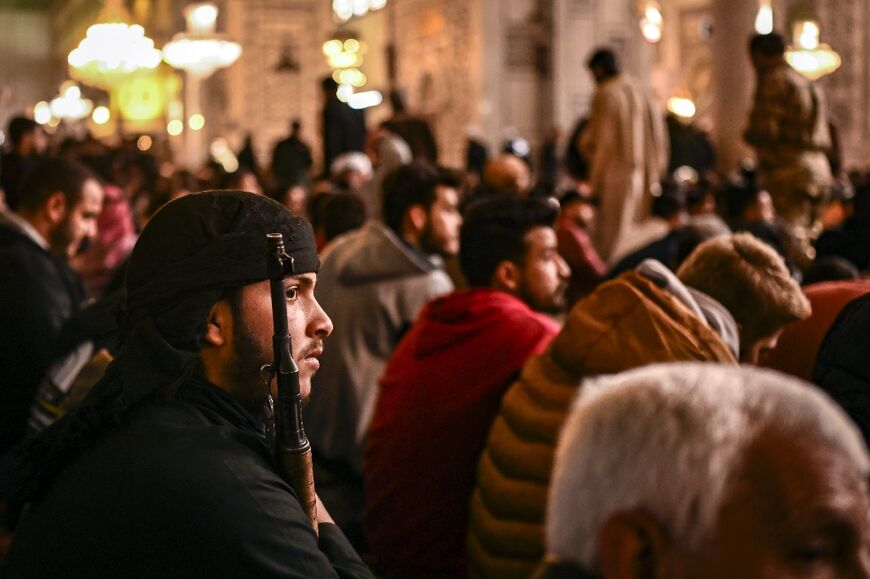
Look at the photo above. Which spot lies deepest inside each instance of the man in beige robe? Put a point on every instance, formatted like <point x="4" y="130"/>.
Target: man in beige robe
<point x="627" y="147"/>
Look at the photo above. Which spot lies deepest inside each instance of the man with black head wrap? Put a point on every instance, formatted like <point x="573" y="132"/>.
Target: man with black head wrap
<point x="165" y="469"/>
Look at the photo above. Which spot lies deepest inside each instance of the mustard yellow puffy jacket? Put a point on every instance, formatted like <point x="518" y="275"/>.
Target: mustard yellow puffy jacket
<point x="626" y="323"/>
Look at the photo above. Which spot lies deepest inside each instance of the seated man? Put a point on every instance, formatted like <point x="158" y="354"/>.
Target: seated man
<point x="645" y="316"/>
<point x="166" y="469"/>
<point x="443" y="384"/>
<point x="698" y="471"/>
<point x="57" y="210"/>
<point x="373" y="283"/>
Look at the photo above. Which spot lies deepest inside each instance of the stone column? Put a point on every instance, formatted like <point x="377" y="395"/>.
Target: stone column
<point x="733" y="78"/>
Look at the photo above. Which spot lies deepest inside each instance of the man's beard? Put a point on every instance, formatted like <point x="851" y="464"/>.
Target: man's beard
<point x="244" y="372"/>
<point x="60" y="239"/>
<point x="430" y="243"/>
<point x="554" y="305"/>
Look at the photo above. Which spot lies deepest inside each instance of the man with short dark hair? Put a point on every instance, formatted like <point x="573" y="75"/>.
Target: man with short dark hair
<point x="39" y="292"/>
<point x="626" y="144"/>
<point x="168" y="467"/>
<point x="374" y="282"/>
<point x="788" y="128"/>
<point x="645" y="316"/>
<point x="442" y="387"/>
<point x="27" y="145"/>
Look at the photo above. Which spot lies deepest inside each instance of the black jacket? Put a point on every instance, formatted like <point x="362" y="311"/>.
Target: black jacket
<point x="183" y="488"/>
<point x="843" y="366"/>
<point x="39" y="293"/>
<point x="344" y="130"/>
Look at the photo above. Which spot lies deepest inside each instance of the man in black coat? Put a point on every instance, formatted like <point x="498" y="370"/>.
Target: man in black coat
<point x="166" y="469"/>
<point x="344" y="128"/>
<point x="39" y="292"/>
<point x="291" y="158"/>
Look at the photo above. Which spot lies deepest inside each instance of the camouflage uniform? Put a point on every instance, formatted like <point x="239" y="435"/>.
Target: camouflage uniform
<point x="788" y="127"/>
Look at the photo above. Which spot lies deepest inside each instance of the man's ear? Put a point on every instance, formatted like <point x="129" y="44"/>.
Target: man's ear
<point x="55" y="207"/>
<point x="631" y="545"/>
<point x="417" y="216"/>
<point x="506" y="276"/>
<point x="218" y="325"/>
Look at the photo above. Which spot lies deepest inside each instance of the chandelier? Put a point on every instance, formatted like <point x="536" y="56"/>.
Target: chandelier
<point x="344" y="10"/>
<point x="651" y="20"/>
<point x="112" y="49"/>
<point x="200" y="50"/>
<point x="807" y="55"/>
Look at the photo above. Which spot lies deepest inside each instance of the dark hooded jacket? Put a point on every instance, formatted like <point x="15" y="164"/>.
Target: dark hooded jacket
<point x="843" y="366"/>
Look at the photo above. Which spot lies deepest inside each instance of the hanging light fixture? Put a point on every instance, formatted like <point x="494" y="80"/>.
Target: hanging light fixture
<point x="200" y="51"/>
<point x="651" y="20"/>
<point x="69" y="104"/>
<point x="809" y="57"/>
<point x="344" y="10"/>
<point x="344" y="53"/>
<point x="112" y="49"/>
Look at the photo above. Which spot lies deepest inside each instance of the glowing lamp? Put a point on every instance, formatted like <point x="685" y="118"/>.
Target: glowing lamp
<point x="200" y="51"/>
<point x="112" y="49"/>
<point x="807" y="55"/>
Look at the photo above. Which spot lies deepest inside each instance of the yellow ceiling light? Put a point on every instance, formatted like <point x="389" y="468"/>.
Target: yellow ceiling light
<point x="344" y="52"/>
<point x="145" y="97"/>
<point x="112" y="50"/>
<point x="807" y="55"/>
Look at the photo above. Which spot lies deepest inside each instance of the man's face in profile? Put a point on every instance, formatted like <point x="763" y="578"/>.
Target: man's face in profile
<point x="253" y="329"/>
<point x="797" y="509"/>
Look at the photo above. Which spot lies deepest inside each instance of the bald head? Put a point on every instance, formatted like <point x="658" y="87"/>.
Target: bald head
<point x="508" y="174"/>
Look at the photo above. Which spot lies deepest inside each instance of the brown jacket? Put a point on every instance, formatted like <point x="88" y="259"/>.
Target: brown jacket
<point x="626" y="323"/>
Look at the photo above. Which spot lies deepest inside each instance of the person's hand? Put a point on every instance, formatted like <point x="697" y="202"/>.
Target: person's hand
<point x="323" y="515"/>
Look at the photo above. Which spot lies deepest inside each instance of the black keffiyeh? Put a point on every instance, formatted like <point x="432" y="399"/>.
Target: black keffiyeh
<point x="190" y="254"/>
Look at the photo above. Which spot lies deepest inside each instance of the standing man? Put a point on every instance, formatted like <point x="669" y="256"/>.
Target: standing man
<point x="28" y="144"/>
<point x="39" y="292"/>
<point x="374" y="282"/>
<point x="443" y="385"/>
<point x="344" y="128"/>
<point x="167" y="468"/>
<point x="291" y="159"/>
<point x="626" y="144"/>
<point x="788" y="128"/>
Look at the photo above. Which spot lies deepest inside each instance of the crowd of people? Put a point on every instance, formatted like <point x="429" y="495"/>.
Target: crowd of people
<point x="597" y="364"/>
